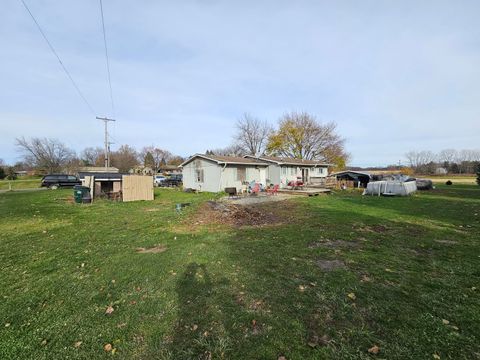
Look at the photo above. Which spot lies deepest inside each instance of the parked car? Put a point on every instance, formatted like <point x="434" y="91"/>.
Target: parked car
<point x="158" y="180"/>
<point x="173" y="180"/>
<point x="55" y="181"/>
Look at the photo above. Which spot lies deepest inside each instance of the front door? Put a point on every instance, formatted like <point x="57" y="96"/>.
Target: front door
<point x="305" y="176"/>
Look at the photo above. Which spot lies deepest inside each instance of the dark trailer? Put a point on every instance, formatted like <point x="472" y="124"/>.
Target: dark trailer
<point x="357" y="178"/>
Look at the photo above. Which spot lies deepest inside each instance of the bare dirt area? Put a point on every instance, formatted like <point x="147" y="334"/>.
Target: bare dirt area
<point x="258" y="199"/>
<point x="233" y="213"/>
<point x="330" y="265"/>
<point x="333" y="244"/>
<point x="153" y="250"/>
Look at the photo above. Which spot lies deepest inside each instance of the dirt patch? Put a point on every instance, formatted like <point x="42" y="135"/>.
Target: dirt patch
<point x="447" y="242"/>
<point x="372" y="228"/>
<point x="333" y="244"/>
<point x="153" y="250"/>
<point x="330" y="265"/>
<point x="213" y="212"/>
<point x="152" y="209"/>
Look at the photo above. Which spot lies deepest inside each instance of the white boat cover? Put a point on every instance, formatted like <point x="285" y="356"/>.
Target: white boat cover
<point x="391" y="188"/>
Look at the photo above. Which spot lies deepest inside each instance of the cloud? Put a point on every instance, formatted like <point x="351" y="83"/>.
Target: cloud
<point x="394" y="76"/>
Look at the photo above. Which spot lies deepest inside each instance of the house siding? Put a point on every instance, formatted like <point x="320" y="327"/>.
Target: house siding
<point x="217" y="177"/>
<point x="211" y="175"/>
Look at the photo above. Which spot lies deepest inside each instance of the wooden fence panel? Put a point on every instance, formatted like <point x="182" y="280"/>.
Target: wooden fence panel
<point x="89" y="181"/>
<point x="137" y="187"/>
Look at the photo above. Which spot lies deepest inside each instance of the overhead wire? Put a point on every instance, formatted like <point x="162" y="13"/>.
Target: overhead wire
<point x="58" y="58"/>
<point x="107" y="59"/>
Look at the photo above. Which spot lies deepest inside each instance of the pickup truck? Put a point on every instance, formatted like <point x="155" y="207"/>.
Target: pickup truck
<point x="173" y="180"/>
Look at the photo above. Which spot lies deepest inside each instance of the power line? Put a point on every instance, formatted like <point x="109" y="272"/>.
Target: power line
<point x="106" y="57"/>
<point x="58" y="58"/>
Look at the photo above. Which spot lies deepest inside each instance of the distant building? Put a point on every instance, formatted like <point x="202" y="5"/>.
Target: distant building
<point x="169" y="169"/>
<point x="441" y="171"/>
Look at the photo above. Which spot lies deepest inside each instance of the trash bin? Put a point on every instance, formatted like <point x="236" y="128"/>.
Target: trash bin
<point x="81" y="194"/>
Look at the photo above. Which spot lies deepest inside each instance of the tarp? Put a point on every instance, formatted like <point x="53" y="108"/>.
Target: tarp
<point x="390" y="188"/>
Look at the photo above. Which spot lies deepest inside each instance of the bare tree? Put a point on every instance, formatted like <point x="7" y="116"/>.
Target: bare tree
<point x="417" y="159"/>
<point x="301" y="136"/>
<point x="422" y="161"/>
<point x="43" y="153"/>
<point x="447" y="156"/>
<point x="231" y="150"/>
<point x="176" y="160"/>
<point x="93" y="156"/>
<point x="125" y="158"/>
<point x="160" y="156"/>
<point x="252" y="134"/>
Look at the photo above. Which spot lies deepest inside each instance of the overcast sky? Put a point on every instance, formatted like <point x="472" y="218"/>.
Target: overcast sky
<point x="394" y="75"/>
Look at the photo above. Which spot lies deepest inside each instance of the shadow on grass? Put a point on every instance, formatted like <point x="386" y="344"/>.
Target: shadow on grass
<point x="203" y="329"/>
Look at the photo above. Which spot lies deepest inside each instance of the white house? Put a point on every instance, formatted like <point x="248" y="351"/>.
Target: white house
<point x="215" y="173"/>
<point x="283" y="170"/>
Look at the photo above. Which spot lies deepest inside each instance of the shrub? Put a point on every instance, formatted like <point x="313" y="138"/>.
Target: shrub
<point x="448" y="183"/>
<point x="11" y="173"/>
<point x="2" y="173"/>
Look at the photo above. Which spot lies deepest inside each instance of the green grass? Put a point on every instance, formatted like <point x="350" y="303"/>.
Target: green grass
<point x="241" y="293"/>
<point x="19" y="184"/>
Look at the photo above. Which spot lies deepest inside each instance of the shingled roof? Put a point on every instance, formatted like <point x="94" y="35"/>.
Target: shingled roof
<point x="287" y="161"/>
<point x="227" y="160"/>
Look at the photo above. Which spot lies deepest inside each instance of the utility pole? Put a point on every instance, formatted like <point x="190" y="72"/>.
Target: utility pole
<point x="107" y="143"/>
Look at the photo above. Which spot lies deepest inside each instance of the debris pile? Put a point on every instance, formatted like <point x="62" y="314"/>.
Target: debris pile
<point x="238" y="215"/>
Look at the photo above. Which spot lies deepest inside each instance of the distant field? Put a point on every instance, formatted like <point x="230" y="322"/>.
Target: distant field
<point x="19" y="184"/>
<point x="456" y="179"/>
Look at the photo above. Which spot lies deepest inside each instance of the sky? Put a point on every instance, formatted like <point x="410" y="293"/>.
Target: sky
<point x="394" y="75"/>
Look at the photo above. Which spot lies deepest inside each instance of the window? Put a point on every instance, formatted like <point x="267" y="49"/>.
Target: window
<point x="293" y="171"/>
<point x="199" y="175"/>
<point x="241" y="173"/>
<point x="72" y="178"/>
<point x="284" y="170"/>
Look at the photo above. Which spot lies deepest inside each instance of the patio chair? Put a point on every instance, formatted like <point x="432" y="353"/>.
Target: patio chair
<point x="255" y="189"/>
<point x="274" y="190"/>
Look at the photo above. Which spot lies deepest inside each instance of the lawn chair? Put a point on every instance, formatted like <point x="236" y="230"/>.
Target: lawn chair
<point x="273" y="190"/>
<point x="255" y="189"/>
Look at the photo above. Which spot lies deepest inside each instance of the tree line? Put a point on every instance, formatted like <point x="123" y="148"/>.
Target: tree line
<point x="297" y="135"/>
<point x="450" y="161"/>
<point x="45" y="155"/>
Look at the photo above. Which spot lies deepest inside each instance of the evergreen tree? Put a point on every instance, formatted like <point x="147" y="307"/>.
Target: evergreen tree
<point x="149" y="160"/>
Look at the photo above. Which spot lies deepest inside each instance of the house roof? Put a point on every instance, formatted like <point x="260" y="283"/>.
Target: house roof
<point x="168" y="167"/>
<point x="222" y="160"/>
<point x="288" y="161"/>
<point x="98" y="169"/>
<point x="101" y="176"/>
<point x="351" y="172"/>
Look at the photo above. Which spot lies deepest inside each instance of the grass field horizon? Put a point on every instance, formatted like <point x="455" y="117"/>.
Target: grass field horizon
<point x="334" y="277"/>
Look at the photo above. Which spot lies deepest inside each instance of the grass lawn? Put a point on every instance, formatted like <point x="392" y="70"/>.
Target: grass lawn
<point x="403" y="275"/>
<point x="19" y="184"/>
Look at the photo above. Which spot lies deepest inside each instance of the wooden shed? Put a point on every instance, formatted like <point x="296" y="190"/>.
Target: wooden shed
<point x="115" y="186"/>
